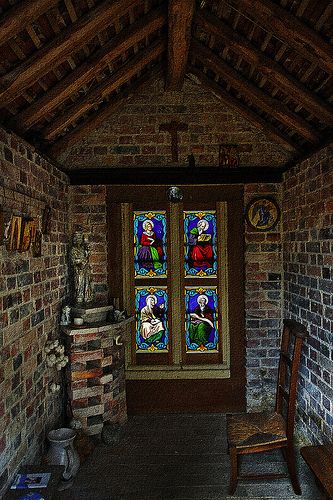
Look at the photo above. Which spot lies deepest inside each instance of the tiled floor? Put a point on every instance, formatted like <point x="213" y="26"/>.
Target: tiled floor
<point x="177" y="457"/>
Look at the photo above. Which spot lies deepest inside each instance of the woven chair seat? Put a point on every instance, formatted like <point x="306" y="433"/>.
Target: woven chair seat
<point x="251" y="429"/>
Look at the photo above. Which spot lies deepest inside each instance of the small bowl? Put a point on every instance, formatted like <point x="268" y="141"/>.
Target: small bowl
<point x="78" y="321"/>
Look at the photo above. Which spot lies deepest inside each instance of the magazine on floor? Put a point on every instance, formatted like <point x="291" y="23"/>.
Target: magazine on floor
<point x="35" y="480"/>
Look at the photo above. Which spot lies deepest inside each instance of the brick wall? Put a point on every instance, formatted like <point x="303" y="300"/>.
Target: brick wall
<point x="308" y="284"/>
<point x="132" y="137"/>
<point x="32" y="290"/>
<point x="263" y="303"/>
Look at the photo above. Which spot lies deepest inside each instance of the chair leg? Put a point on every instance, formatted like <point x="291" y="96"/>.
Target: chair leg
<point x="290" y="457"/>
<point x="233" y="470"/>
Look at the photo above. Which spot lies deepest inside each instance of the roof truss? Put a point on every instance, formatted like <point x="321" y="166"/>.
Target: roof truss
<point x="69" y="64"/>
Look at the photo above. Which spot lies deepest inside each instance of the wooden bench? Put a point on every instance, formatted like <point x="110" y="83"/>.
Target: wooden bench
<point x="320" y="460"/>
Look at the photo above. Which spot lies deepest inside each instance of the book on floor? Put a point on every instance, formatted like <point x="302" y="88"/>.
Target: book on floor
<point x="35" y="480"/>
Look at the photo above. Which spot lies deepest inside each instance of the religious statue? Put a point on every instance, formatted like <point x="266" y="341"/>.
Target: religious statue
<point x="65" y="316"/>
<point x="79" y="256"/>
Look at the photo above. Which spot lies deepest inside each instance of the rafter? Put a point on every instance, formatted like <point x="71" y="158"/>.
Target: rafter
<point x="290" y="29"/>
<point x="98" y="118"/>
<point x="180" y="17"/>
<point x="100" y="92"/>
<point x="87" y="70"/>
<point x="231" y="102"/>
<point x="268" y="104"/>
<point x="55" y="52"/>
<point x="20" y="15"/>
<point x="268" y="67"/>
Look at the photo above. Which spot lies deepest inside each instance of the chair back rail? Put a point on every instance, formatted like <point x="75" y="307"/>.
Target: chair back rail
<point x="293" y="335"/>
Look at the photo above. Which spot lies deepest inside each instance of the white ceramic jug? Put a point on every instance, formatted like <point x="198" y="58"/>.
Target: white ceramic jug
<point x="62" y="451"/>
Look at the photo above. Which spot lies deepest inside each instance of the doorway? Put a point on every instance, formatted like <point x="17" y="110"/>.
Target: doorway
<point x="178" y="269"/>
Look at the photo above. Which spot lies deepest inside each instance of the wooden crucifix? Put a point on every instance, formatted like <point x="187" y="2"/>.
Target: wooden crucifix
<point x="173" y="128"/>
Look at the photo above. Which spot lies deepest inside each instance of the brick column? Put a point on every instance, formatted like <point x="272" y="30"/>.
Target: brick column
<point x="96" y="375"/>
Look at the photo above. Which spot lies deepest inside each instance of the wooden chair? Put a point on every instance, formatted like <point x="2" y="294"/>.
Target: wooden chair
<point x="260" y="432"/>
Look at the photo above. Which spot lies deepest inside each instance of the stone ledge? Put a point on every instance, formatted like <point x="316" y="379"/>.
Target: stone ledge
<point x="111" y="328"/>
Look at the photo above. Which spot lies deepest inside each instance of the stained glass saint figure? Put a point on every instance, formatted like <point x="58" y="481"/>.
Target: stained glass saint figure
<point x="200" y="244"/>
<point x="151" y="329"/>
<point x="201" y="323"/>
<point x="150" y="244"/>
<point x="201" y="319"/>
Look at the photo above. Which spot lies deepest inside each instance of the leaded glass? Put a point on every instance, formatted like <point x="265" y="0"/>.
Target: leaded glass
<point x="201" y="321"/>
<point x="150" y="244"/>
<point x="200" y="244"/>
<point x="151" y="306"/>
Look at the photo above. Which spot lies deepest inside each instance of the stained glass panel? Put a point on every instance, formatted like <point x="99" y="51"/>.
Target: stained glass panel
<point x="201" y="321"/>
<point x="200" y="244"/>
<point x="151" y="306"/>
<point x="150" y="244"/>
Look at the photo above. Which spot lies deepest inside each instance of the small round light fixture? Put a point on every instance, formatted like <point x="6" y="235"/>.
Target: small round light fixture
<point x="174" y="194"/>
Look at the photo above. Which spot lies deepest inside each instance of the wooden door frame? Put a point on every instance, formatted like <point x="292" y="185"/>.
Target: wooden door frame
<point x="183" y="395"/>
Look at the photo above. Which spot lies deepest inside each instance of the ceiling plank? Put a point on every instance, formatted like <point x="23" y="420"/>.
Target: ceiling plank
<point x="54" y="53"/>
<point x="20" y="15"/>
<point x="231" y="102"/>
<point x="83" y="129"/>
<point x="71" y="10"/>
<point x="268" y="104"/>
<point x="302" y="8"/>
<point x="324" y="16"/>
<point x="272" y="70"/>
<point x="100" y="92"/>
<point x="87" y="70"/>
<point x="180" y="15"/>
<point x="289" y="28"/>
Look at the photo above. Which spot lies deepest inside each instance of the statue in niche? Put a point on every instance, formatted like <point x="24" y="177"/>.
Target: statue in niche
<point x="79" y="256"/>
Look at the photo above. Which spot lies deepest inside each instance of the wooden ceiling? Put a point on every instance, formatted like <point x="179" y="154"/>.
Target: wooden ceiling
<point x="67" y="65"/>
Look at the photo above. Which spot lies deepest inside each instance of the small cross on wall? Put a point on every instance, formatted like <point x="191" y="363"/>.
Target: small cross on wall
<point x="173" y="128"/>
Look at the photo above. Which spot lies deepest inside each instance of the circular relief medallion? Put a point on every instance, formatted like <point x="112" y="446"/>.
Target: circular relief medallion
<point x="262" y="214"/>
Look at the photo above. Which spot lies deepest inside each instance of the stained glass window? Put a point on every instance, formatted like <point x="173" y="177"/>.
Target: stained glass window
<point x="200" y="244"/>
<point x="151" y="306"/>
<point x="201" y="321"/>
<point x="150" y="259"/>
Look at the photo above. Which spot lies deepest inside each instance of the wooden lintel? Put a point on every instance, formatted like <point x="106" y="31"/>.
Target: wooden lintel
<point x="274" y="71"/>
<point x="268" y="104"/>
<point x="180" y="17"/>
<point x="87" y="70"/>
<point x="99" y="93"/>
<point x="55" y="52"/>
<point x="96" y="119"/>
<point x="174" y="176"/>
<point x="290" y="29"/>
<point x="20" y="15"/>
<point x="230" y="101"/>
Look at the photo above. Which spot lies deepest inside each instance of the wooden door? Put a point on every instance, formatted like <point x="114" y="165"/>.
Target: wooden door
<point x="192" y="359"/>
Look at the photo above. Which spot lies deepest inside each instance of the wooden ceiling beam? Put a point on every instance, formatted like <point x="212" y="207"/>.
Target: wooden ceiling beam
<point x="180" y="15"/>
<point x="20" y="15"/>
<point x="136" y="178"/>
<point x="268" y="104"/>
<point x="88" y="69"/>
<point x="289" y="28"/>
<point x="106" y="87"/>
<point x="268" y="67"/>
<point x="231" y="102"/>
<point x="62" y="46"/>
<point x="83" y="129"/>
